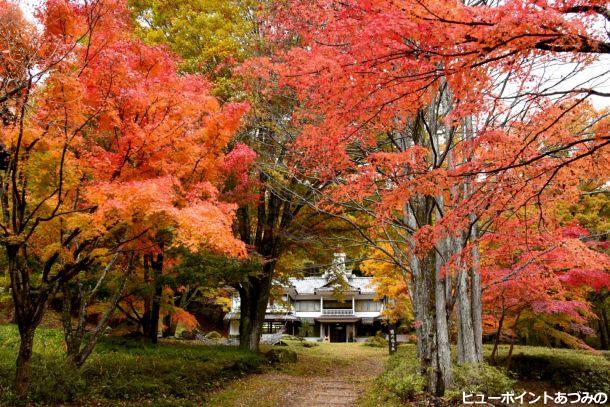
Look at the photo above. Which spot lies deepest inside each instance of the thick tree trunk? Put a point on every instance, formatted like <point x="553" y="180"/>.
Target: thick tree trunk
<point x="254" y="296"/>
<point x="29" y="308"/>
<point x="430" y="305"/>
<point x="445" y="375"/>
<point x="467" y="349"/>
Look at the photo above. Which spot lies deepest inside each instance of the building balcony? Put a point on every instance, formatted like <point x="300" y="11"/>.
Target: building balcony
<point x="337" y="311"/>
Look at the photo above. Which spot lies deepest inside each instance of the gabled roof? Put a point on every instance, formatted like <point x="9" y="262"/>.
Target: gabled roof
<point x="310" y="285"/>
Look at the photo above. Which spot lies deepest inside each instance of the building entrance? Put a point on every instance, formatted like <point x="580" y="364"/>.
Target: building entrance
<point x="338" y="333"/>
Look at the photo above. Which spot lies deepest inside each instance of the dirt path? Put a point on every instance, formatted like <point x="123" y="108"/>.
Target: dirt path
<point x="326" y="375"/>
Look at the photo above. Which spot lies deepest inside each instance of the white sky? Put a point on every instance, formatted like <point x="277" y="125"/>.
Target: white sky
<point x="596" y="75"/>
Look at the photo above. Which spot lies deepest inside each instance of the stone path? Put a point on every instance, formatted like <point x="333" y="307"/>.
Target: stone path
<point x="327" y="375"/>
<point x="330" y="393"/>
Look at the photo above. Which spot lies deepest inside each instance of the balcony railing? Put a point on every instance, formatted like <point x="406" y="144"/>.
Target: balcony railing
<point x="337" y="311"/>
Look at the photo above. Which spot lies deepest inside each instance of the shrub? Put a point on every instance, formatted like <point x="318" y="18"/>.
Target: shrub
<point x="307" y="344"/>
<point x="213" y="335"/>
<point x="377" y="341"/>
<point x="281" y="356"/>
<point x="483" y="379"/>
<point x="401" y="380"/>
<point x="403" y="385"/>
<point x="305" y="329"/>
<point x="188" y="335"/>
<point x="569" y="370"/>
<point x="289" y="337"/>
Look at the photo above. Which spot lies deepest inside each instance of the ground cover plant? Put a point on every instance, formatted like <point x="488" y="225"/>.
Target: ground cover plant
<point x="123" y="370"/>
<point x="535" y="369"/>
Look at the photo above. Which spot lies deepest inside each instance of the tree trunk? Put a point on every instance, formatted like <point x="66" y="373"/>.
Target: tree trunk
<point x="156" y="266"/>
<point x="29" y="308"/>
<point x="169" y="328"/>
<point x="476" y="301"/>
<point x="445" y="375"/>
<point x="23" y="371"/>
<point x="494" y="352"/>
<point x="429" y="303"/>
<point x="604" y="338"/>
<point x="254" y="296"/>
<point x="148" y="296"/>
<point x="509" y="358"/>
<point x="603" y="330"/>
<point x="467" y="350"/>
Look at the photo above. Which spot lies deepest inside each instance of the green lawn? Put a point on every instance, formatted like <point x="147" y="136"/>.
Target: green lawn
<point x="123" y="371"/>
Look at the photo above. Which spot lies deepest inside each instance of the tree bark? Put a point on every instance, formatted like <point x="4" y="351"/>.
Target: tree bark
<point x="467" y="350"/>
<point x="445" y="375"/>
<point x="604" y="336"/>
<point x="29" y="308"/>
<point x="23" y="371"/>
<point x="509" y="358"/>
<point x="156" y="267"/>
<point x="476" y="294"/>
<point x="169" y="328"/>
<point x="430" y="304"/>
<point x="494" y="352"/>
<point x="254" y="299"/>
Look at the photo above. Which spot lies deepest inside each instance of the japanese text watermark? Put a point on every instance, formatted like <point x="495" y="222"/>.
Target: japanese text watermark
<point x="511" y="398"/>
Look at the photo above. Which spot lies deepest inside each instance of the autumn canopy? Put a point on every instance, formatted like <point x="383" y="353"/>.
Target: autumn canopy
<point x="158" y="155"/>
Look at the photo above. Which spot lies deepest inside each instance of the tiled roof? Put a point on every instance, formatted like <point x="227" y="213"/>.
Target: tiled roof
<point x="308" y="285"/>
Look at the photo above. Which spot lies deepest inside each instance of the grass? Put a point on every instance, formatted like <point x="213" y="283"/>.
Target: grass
<point x="535" y="369"/>
<point x="178" y="373"/>
<point x="122" y="371"/>
<point x="560" y="369"/>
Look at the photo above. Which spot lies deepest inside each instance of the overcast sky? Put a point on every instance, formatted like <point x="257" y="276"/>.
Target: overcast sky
<point x="596" y="76"/>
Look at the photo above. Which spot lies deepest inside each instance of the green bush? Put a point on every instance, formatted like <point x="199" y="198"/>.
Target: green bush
<point x="402" y="385"/>
<point x="288" y="337"/>
<point x="307" y="344"/>
<point x="480" y="379"/>
<point x="377" y="341"/>
<point x="569" y="370"/>
<point x="400" y="382"/>
<point x="213" y="335"/>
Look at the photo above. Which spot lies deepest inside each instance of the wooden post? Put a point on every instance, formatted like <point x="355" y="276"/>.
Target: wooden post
<point x="321" y="305"/>
<point x="353" y="305"/>
<point x="392" y="341"/>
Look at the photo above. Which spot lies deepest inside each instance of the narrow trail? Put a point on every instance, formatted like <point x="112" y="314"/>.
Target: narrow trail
<point x="326" y="375"/>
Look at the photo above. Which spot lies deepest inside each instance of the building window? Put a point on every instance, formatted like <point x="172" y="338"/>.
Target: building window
<point x="308" y="329"/>
<point x="307" y="306"/>
<point x="272" y="327"/>
<point x="368" y="306"/>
